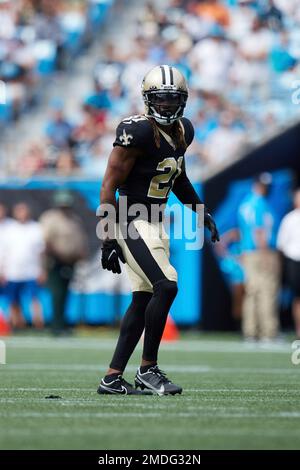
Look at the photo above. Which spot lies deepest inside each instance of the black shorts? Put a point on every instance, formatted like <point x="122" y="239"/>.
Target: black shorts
<point x="292" y="275"/>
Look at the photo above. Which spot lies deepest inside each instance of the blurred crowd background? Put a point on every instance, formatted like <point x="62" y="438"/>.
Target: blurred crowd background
<point x="70" y="70"/>
<point x="240" y="57"/>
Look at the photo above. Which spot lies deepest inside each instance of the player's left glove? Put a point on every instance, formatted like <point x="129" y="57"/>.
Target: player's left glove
<point x="211" y="225"/>
<point x="111" y="254"/>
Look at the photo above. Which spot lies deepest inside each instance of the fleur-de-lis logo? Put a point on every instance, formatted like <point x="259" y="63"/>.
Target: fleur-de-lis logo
<point x="125" y="138"/>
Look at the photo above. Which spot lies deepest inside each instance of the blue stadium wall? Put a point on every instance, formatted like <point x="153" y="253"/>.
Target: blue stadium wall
<point x="223" y="194"/>
<point x="104" y="307"/>
<point x="204" y="296"/>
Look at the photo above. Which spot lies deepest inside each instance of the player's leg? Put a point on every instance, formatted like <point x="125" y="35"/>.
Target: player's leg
<point x="249" y="313"/>
<point x="293" y="280"/>
<point x="268" y="295"/>
<point x="36" y="308"/>
<point x="132" y="326"/>
<point x="13" y="294"/>
<point x="148" y="254"/>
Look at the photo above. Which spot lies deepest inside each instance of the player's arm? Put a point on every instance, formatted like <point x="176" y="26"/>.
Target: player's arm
<point x="185" y="192"/>
<point x="120" y="163"/>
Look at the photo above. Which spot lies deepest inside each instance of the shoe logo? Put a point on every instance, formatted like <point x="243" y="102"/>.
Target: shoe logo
<point x="122" y="391"/>
<point x="159" y="391"/>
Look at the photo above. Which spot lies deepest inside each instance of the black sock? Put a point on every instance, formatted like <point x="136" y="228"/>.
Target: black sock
<point x="111" y="377"/>
<point x="144" y="369"/>
<point x="132" y="327"/>
<point x="156" y="316"/>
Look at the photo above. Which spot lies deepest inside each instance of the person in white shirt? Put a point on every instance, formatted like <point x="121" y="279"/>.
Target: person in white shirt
<point x="4" y="225"/>
<point x="22" y="249"/>
<point x="211" y="59"/>
<point x="288" y="243"/>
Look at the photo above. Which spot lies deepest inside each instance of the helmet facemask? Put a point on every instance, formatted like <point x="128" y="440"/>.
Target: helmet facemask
<point x="165" y="106"/>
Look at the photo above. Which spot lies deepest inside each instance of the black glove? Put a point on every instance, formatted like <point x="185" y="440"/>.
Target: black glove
<point x="211" y="225"/>
<point x="111" y="253"/>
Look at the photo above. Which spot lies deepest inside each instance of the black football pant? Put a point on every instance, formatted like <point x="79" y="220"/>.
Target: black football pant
<point x="150" y="272"/>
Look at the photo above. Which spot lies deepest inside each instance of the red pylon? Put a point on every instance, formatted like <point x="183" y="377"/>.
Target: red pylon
<point x="4" y="326"/>
<point x="171" y="332"/>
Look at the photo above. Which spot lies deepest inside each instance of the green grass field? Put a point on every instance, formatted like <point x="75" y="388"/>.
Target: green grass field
<point x="234" y="397"/>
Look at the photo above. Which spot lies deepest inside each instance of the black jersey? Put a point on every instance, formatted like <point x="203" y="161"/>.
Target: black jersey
<point x="155" y="170"/>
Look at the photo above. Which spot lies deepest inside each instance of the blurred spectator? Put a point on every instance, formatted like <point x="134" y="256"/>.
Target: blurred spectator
<point x="22" y="248"/>
<point x="254" y="49"/>
<point x="272" y="15"/>
<point x="87" y="133"/>
<point x="210" y="60"/>
<point x="66" y="244"/>
<point x="260" y="262"/>
<point x="107" y="72"/>
<point x="214" y="11"/>
<point x="48" y="27"/>
<point x="280" y="56"/>
<point x="58" y="129"/>
<point x="288" y="243"/>
<point x="119" y="105"/>
<point x="228" y="251"/>
<point x="4" y="225"/>
<point x="99" y="100"/>
<point x="37" y="38"/>
<point x="225" y="141"/>
<point x="34" y="159"/>
<point x="65" y="164"/>
<point x="238" y="54"/>
<point x="137" y="65"/>
<point x="7" y="19"/>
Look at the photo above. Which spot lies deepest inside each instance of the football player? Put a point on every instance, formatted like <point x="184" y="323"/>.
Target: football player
<point x="145" y="165"/>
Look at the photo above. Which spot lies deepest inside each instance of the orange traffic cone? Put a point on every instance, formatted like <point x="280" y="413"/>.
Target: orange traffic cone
<point x="171" y="332"/>
<point x="4" y="326"/>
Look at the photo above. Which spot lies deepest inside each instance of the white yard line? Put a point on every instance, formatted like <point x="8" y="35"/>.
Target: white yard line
<point x="194" y="390"/>
<point x="187" y="402"/>
<point x="45" y="389"/>
<point x="215" y="413"/>
<point x="181" y="345"/>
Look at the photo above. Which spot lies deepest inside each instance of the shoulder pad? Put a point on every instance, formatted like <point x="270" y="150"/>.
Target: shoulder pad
<point x="188" y="130"/>
<point x="133" y="132"/>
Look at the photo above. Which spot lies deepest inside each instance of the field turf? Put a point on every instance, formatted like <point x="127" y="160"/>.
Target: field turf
<point x="235" y="396"/>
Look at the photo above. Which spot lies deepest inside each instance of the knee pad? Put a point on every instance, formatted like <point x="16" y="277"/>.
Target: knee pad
<point x="141" y="299"/>
<point x="166" y="288"/>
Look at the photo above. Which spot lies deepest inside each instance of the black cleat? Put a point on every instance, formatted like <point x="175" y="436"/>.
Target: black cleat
<point x="156" y="380"/>
<point x="119" y="386"/>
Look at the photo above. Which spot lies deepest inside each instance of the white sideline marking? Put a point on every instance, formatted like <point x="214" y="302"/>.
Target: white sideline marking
<point x="17" y="431"/>
<point x="91" y="415"/>
<point x="94" y="367"/>
<point x="180" y="369"/>
<point x="45" y="389"/>
<point x="165" y="406"/>
<point x="181" y="345"/>
<point x="194" y="390"/>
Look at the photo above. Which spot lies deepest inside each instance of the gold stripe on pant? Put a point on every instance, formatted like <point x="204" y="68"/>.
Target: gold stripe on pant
<point x="157" y="242"/>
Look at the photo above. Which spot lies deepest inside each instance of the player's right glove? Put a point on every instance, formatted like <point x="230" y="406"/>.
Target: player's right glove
<point x="111" y="254"/>
<point x="211" y="225"/>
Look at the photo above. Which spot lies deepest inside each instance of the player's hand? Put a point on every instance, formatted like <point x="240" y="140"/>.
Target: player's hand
<point x="111" y="254"/>
<point x="211" y="225"/>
